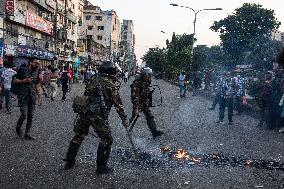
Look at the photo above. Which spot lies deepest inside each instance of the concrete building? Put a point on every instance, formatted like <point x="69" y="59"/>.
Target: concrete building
<point x="276" y="35"/>
<point x="46" y="29"/>
<point x="128" y="43"/>
<point x="91" y="50"/>
<point x="27" y="31"/>
<point x="103" y="29"/>
<point x="68" y="13"/>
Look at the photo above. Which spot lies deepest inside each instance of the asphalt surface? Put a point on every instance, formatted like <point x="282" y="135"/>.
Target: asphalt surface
<point x="188" y="124"/>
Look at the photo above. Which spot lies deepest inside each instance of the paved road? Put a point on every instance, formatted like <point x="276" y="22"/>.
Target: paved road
<point x="187" y="123"/>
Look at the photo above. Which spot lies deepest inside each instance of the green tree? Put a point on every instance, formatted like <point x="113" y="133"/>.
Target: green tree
<point x="156" y="59"/>
<point x="244" y="31"/>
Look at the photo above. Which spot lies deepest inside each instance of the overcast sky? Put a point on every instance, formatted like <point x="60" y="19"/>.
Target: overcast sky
<point x="152" y="16"/>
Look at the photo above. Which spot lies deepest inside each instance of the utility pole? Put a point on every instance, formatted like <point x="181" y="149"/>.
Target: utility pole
<point x="65" y="26"/>
<point x="55" y="34"/>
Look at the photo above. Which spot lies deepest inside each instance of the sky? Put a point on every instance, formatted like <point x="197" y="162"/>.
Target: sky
<point x="150" y="17"/>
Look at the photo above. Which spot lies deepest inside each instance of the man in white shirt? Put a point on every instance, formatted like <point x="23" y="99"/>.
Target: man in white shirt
<point x="126" y="76"/>
<point x="7" y="76"/>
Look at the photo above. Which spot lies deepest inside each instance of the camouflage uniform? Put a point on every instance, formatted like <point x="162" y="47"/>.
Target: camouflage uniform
<point x="141" y="100"/>
<point x="96" y="115"/>
<point x="27" y="96"/>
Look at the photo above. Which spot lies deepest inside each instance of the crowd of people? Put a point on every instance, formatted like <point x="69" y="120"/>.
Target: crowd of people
<point x="263" y="92"/>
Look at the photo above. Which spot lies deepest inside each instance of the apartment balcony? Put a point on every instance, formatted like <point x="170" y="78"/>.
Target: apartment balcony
<point x="71" y="17"/>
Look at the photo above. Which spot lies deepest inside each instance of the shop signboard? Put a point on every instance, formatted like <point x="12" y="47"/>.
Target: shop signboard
<point x="1" y="51"/>
<point x="244" y="66"/>
<point x="9" y="50"/>
<point x="38" y="23"/>
<point x="23" y="50"/>
<point x="9" y="7"/>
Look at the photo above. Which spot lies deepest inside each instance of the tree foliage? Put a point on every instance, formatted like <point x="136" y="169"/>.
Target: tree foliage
<point x="246" y="30"/>
<point x="175" y="58"/>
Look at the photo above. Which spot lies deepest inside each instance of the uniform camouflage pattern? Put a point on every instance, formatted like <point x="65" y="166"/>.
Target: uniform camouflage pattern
<point x="140" y="93"/>
<point x="140" y="98"/>
<point x="97" y="116"/>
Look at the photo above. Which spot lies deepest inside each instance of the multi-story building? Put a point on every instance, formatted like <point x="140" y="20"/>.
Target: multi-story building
<point x="27" y="31"/>
<point x="127" y="43"/>
<point x="68" y="14"/>
<point x="276" y="35"/>
<point x="91" y="50"/>
<point x="101" y="31"/>
<point x="46" y="29"/>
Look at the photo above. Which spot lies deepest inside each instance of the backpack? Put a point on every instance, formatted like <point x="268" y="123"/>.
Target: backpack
<point x="80" y="104"/>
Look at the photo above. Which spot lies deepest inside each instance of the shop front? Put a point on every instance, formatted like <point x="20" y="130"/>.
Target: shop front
<point x="22" y="53"/>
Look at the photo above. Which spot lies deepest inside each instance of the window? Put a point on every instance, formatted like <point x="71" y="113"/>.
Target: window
<point x="125" y="27"/>
<point x="88" y="17"/>
<point x="124" y="37"/>
<point x="99" y="18"/>
<point x="101" y="27"/>
<point x="113" y="28"/>
<point x="99" y="37"/>
<point x="90" y="27"/>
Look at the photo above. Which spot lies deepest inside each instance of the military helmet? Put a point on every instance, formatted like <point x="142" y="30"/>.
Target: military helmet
<point x="107" y="67"/>
<point x="146" y="71"/>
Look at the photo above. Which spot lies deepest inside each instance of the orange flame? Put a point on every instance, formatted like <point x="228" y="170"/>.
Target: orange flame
<point x="181" y="154"/>
<point x="165" y="149"/>
<point x="248" y="162"/>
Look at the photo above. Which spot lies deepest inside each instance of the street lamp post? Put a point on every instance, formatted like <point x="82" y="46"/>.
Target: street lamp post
<point x="195" y="18"/>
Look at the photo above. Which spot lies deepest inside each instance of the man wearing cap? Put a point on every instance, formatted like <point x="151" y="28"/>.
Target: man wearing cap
<point x="141" y="99"/>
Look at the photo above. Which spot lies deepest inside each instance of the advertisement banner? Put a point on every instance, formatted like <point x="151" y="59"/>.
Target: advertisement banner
<point x="23" y="50"/>
<point x="1" y="50"/>
<point x="9" y="7"/>
<point x="39" y="23"/>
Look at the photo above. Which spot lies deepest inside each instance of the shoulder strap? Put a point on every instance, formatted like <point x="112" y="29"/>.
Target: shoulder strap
<point x="101" y="96"/>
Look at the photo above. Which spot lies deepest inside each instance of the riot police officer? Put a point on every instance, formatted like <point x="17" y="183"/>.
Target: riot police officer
<point x="102" y="94"/>
<point x="141" y="99"/>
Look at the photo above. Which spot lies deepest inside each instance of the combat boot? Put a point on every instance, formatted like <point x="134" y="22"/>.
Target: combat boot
<point x="71" y="155"/>
<point x="157" y="133"/>
<point x="102" y="160"/>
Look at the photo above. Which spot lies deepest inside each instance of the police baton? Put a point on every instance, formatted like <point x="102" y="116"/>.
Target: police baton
<point x="132" y="144"/>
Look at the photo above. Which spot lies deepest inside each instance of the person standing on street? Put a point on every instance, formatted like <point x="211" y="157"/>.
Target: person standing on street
<point x="141" y="99"/>
<point x="65" y="77"/>
<point x="126" y="76"/>
<point x="1" y="87"/>
<point x="181" y="84"/>
<point x="53" y="83"/>
<point x="7" y="76"/>
<point x="240" y="93"/>
<point x="226" y="99"/>
<point x="102" y="94"/>
<point x="27" y="80"/>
